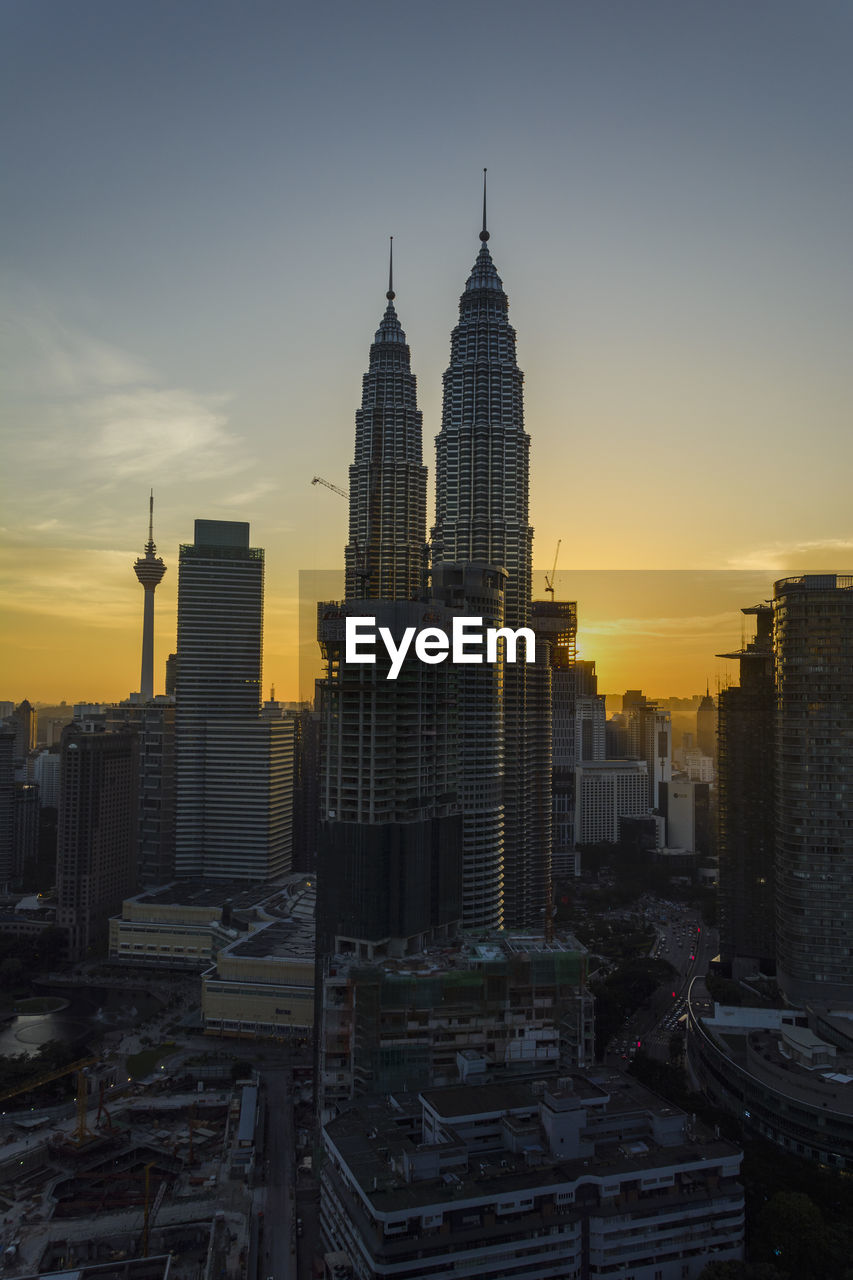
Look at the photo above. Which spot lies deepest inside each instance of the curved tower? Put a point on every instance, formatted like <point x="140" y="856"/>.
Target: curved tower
<point x="149" y="569"/>
<point x="386" y="552"/>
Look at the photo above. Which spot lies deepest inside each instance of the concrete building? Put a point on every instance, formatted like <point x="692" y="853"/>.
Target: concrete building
<point x="746" y="806"/>
<point x="97" y="833"/>
<point x="786" y="1074"/>
<point x="706" y="725"/>
<point x="813" y="646"/>
<point x="262" y="985"/>
<point x="46" y="775"/>
<point x="605" y="791"/>
<point x="650" y="739"/>
<point x="7" y="806"/>
<point x="234" y="769"/>
<point x="153" y="722"/>
<point x="686" y="807"/>
<point x="508" y="1005"/>
<point x="568" y="1177"/>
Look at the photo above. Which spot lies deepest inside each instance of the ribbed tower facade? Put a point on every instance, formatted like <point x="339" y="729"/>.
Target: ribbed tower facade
<point x="386" y="552"/>
<point x="389" y="850"/>
<point x="149" y="569"/>
<point x="481" y="514"/>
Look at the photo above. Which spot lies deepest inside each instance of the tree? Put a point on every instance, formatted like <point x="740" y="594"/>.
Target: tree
<point x="790" y="1234"/>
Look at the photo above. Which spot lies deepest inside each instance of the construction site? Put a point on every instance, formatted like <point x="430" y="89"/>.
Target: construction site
<point x="138" y="1180"/>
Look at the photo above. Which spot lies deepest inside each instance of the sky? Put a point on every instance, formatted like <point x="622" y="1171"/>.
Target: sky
<point x="197" y="200"/>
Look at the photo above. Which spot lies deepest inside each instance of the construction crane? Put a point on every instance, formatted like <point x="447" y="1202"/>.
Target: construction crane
<point x="361" y="569"/>
<point x="549" y="582"/>
<point x="334" y="488"/>
<point x="37" y="1081"/>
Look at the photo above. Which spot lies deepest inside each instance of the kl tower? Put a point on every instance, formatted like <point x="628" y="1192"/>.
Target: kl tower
<point x="149" y="569"/>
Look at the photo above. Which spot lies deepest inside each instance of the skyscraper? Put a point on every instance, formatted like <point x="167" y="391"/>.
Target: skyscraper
<point x="481" y="514"/>
<point x="706" y="725"/>
<point x="746" y="805"/>
<point x="386" y="553"/>
<point x="149" y="569"/>
<point x="813" y="645"/>
<point x="389" y="840"/>
<point x="96" y="843"/>
<point x="232" y="817"/>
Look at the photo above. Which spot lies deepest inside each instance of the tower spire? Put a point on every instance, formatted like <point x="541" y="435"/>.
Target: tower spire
<point x="484" y="234"/>
<point x="391" y="295"/>
<point x="150" y="544"/>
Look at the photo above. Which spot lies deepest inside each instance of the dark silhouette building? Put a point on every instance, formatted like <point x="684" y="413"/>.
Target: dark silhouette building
<point x="746" y="805"/>
<point x="813" y="644"/>
<point x="96" y="845"/>
<point x="390" y="853"/>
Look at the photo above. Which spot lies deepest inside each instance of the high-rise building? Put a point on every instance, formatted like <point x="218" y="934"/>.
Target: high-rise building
<point x="605" y="791"/>
<point x="7" y="805"/>
<point x="746" y="806"/>
<point x="149" y="569"/>
<point x="813" y="645"/>
<point x="555" y="623"/>
<point x="386" y="555"/>
<point x="650" y="739"/>
<point x="154" y="724"/>
<point x="481" y="514"/>
<point x="389" y="844"/>
<point x="706" y="725"/>
<point x="96" y="843"/>
<point x="233" y="767"/>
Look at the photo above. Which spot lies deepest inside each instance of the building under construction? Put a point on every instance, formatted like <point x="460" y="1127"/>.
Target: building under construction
<point x="479" y="1009"/>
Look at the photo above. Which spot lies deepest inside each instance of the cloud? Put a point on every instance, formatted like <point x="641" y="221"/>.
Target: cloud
<point x="248" y="496"/>
<point x="818" y="555"/>
<point x="665" y="628"/>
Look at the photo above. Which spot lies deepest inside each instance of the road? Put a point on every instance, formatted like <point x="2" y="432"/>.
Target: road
<point x="689" y="946"/>
<point x="278" y="1255"/>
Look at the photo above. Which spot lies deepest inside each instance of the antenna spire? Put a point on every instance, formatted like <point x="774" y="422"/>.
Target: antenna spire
<point x="390" y="295"/>
<point x="484" y="234"/>
<point x="151" y="521"/>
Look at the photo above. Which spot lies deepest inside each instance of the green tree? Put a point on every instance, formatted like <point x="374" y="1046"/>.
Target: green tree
<point x="790" y="1234"/>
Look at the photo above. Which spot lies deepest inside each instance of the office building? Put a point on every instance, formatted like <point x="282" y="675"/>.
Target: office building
<point x="233" y="767"/>
<point x="482" y="515"/>
<point x="154" y="724"/>
<point x="555" y="623"/>
<point x="7" y="805"/>
<point x="46" y="775"/>
<point x="650" y="739"/>
<point x="567" y="1177"/>
<point x="149" y="569"/>
<point x="813" y="646"/>
<point x="746" y="805"/>
<point x="706" y="725"/>
<point x="97" y="833"/>
<point x="686" y="807"/>
<point x="389" y="842"/>
<point x="605" y="791"/>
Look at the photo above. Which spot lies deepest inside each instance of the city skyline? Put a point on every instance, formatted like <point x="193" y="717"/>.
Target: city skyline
<point x="670" y="207"/>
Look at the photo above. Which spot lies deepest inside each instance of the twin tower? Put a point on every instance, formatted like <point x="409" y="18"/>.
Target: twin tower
<point x="435" y="787"/>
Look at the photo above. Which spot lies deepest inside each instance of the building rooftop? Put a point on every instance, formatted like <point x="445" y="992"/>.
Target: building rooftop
<point x="374" y="1137"/>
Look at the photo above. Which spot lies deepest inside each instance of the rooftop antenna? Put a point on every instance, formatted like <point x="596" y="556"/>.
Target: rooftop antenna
<point x="150" y="546"/>
<point x="484" y="234"/>
<point x="391" y="295"/>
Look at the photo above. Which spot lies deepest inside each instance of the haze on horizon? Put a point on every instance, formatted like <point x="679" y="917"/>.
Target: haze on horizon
<point x="194" y="256"/>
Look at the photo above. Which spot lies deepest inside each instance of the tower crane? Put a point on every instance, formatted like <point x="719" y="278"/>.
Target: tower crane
<point x="549" y="581"/>
<point x="334" y="488"/>
<point x="361" y="569"/>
